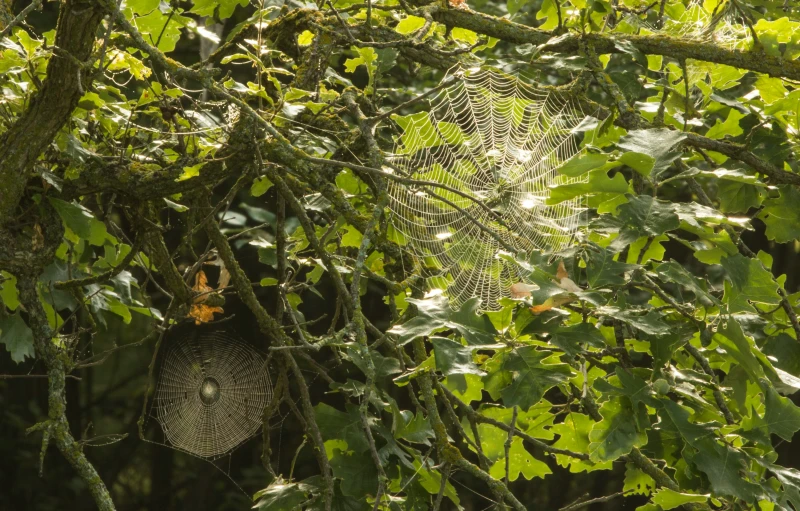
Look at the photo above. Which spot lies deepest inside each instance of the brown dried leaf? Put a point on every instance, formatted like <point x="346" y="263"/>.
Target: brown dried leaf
<point x="564" y="282"/>
<point x="568" y="285"/>
<point x="203" y="313"/>
<point x="561" y="273"/>
<point x="553" y="301"/>
<point x="522" y="290"/>
<point x="224" y="278"/>
<point x="459" y="4"/>
<point x="201" y="287"/>
<point x="224" y="274"/>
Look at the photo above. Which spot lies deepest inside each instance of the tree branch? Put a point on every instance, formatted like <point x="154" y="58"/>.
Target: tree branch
<point x="52" y="106"/>
<point x="666" y="46"/>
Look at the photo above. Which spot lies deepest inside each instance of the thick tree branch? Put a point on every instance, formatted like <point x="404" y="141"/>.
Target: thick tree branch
<point x="603" y="43"/>
<point x="272" y="329"/>
<point x="51" y="107"/>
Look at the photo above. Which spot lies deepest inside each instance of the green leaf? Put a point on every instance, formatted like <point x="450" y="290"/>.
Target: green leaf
<point x="770" y="89"/>
<point x="737" y="197"/>
<point x="641" y="216"/>
<point x="435" y="315"/>
<point x="641" y="163"/>
<point x="190" y="172"/>
<point x="742" y="176"/>
<point x="598" y="183"/>
<point x="603" y="270"/>
<point x="571" y="338"/>
<point x="431" y="481"/>
<point x="304" y="39"/>
<point x="81" y="222"/>
<point x="76" y="217"/>
<point x="670" y="499"/>
<point x="649" y="323"/>
<point x="475" y="328"/>
<point x="616" y="434"/>
<point x="676" y="273"/>
<point x="164" y="28"/>
<point x="728" y="128"/>
<point x="17" y="337"/>
<point x="749" y="282"/>
<point x="409" y="24"/>
<point x="732" y="339"/>
<point x="637" y="482"/>
<point x="782" y="416"/>
<point x="453" y="358"/>
<point x="656" y="143"/>
<point x="207" y="7"/>
<point x="629" y="48"/>
<point x="782" y="215"/>
<point x="581" y="164"/>
<point x="532" y="377"/>
<point x="784" y="351"/>
<point x="282" y="496"/>
<point x="417" y="430"/>
<point x="347" y="426"/>
<point x="366" y="57"/>
<point x="515" y="5"/>
<point x="574" y="436"/>
<point x="8" y="290"/>
<point x="260" y="186"/>
<point x="357" y="472"/>
<point x="722" y="464"/>
<point x="142" y="6"/>
<point x="464" y="35"/>
<point x="520" y="461"/>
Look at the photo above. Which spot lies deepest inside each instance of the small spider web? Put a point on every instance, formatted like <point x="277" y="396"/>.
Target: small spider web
<point x="498" y="142"/>
<point x="211" y="393"/>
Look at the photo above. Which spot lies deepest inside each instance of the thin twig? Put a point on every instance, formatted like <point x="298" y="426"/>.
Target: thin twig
<point x="20" y="17"/>
<point x="584" y="503"/>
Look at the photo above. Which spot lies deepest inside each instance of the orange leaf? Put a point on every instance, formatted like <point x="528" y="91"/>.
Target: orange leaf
<point x="522" y="290"/>
<point x="553" y="301"/>
<point x="561" y="273"/>
<point x="564" y="282"/>
<point x="203" y="313"/>
<point x="201" y="287"/>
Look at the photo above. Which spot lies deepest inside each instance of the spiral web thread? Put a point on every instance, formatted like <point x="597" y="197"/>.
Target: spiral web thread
<point x="498" y="141"/>
<point x="211" y="393"/>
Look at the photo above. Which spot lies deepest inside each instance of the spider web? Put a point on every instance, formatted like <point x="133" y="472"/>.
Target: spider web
<point x="211" y="393"/>
<point x="497" y="141"/>
<point x="725" y="26"/>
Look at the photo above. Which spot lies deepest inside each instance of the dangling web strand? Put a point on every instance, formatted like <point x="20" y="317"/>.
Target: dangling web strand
<point x="211" y="393"/>
<point x="499" y="142"/>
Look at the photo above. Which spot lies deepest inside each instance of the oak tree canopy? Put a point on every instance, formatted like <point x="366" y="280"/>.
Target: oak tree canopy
<point x="233" y="165"/>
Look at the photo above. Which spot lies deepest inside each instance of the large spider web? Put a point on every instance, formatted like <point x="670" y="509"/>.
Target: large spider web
<point x="211" y="393"/>
<point x="498" y="141"/>
<point x="725" y="26"/>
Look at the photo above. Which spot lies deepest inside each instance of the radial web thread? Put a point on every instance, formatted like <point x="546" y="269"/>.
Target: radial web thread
<point x="211" y="393"/>
<point x="498" y="141"/>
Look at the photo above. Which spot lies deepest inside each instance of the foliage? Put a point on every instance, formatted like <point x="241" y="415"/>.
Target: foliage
<point x="666" y="337"/>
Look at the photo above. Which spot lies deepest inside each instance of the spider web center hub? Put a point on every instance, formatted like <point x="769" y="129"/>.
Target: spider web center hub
<point x="209" y="391"/>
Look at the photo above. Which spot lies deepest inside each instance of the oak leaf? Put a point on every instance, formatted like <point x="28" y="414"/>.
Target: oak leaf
<point x="522" y="290"/>
<point x="564" y="282"/>
<point x="201" y="312"/>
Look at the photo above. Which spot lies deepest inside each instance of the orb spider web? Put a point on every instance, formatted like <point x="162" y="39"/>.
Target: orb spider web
<point x="498" y="142"/>
<point x="211" y="393"/>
